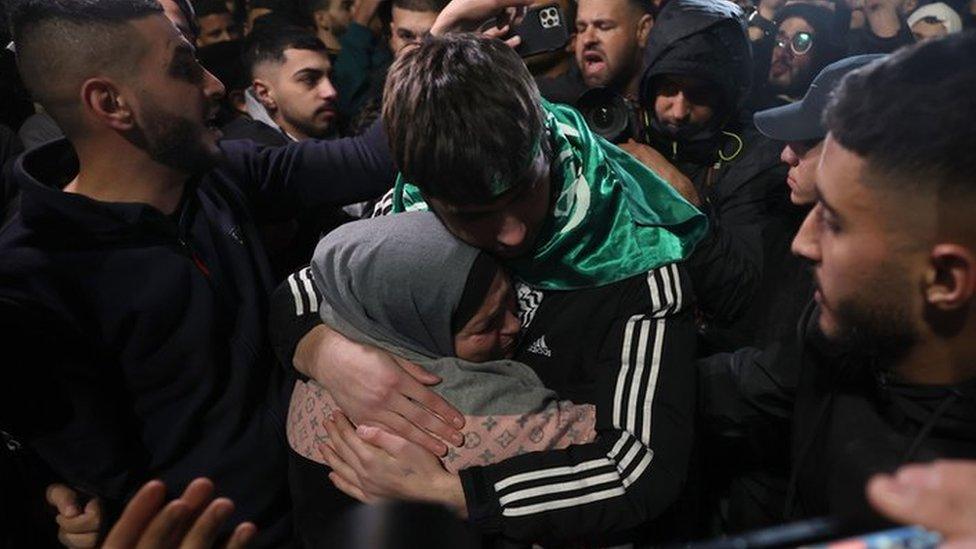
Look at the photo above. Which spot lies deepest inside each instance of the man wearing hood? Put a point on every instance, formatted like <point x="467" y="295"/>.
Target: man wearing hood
<point x="886" y="356"/>
<point x="693" y="88"/>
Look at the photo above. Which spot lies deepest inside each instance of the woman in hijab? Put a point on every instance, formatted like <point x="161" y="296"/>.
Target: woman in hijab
<point x="402" y="283"/>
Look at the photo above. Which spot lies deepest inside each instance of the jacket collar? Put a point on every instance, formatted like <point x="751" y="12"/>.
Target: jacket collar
<point x="42" y="173"/>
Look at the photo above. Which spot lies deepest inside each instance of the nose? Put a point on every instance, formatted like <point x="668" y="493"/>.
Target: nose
<point x="327" y="91"/>
<point x="213" y="88"/>
<point x="588" y="36"/>
<point x="789" y="157"/>
<point x="806" y="243"/>
<point x="680" y="107"/>
<point x="511" y="325"/>
<point x="512" y="232"/>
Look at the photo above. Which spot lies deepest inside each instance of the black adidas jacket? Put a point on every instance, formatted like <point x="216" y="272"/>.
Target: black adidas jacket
<point x="625" y="347"/>
<point x="135" y="343"/>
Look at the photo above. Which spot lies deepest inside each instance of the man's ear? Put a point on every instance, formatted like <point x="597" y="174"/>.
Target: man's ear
<point x="951" y="280"/>
<point x="908" y="6"/>
<point x="104" y="102"/>
<point x="263" y="93"/>
<point x="644" y="29"/>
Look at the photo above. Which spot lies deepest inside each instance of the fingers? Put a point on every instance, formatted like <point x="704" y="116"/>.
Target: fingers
<point x="939" y="496"/>
<point x="404" y="428"/>
<point x="136" y="515"/>
<point x="172" y="524"/>
<point x="514" y="41"/>
<point x="388" y="442"/>
<point x="417" y="372"/>
<point x="339" y="466"/>
<point x="493" y="32"/>
<point x="339" y="446"/>
<point x="349" y="488"/>
<point x="909" y="504"/>
<point x="64" y="499"/>
<point x="203" y="534"/>
<point x="87" y="522"/>
<point x="433" y="402"/>
<point x="167" y="528"/>
<point x="346" y="433"/>
<point x="499" y="33"/>
<point x="190" y="522"/>
<point x="418" y="414"/>
<point x="198" y="494"/>
<point x="78" y="541"/>
<point x="242" y="536"/>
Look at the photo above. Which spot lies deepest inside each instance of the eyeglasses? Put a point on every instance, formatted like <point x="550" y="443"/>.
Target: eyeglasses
<point x="800" y="44"/>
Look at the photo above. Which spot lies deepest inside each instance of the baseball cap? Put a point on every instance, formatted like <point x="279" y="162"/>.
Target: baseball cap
<point x="802" y="120"/>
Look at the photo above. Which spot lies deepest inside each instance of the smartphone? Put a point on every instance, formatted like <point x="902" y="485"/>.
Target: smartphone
<point x="543" y="29"/>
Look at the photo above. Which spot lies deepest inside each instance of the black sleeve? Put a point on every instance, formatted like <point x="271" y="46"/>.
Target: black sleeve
<point x="726" y="267"/>
<point x="282" y="180"/>
<point x="294" y="312"/>
<point x="637" y="466"/>
<point x="746" y="400"/>
<point x="63" y="402"/>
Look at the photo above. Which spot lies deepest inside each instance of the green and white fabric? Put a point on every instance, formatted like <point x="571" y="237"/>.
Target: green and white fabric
<point x="613" y="218"/>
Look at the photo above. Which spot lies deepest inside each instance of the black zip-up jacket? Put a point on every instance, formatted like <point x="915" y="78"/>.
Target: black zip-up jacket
<point x="135" y="343"/>
<point x="846" y="419"/>
<point x="735" y="170"/>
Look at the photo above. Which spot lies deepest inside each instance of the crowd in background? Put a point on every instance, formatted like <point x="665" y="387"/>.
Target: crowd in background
<point x="698" y="268"/>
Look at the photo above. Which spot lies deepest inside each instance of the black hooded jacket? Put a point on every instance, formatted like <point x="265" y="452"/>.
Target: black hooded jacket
<point x="735" y="170"/>
<point x="839" y="421"/>
<point x="135" y="342"/>
<point x="852" y="420"/>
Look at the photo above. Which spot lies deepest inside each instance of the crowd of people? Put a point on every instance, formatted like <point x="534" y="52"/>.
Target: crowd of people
<point x="691" y="269"/>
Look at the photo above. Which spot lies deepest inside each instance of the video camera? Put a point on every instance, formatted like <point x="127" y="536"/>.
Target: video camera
<point x="611" y="115"/>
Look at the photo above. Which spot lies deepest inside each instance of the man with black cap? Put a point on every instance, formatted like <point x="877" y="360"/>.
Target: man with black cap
<point x="785" y="288"/>
<point x="693" y="88"/>
<point x="885" y="360"/>
<point x="753" y="373"/>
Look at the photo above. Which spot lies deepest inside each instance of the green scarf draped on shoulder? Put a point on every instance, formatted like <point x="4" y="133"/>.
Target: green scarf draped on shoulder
<point x="613" y="218"/>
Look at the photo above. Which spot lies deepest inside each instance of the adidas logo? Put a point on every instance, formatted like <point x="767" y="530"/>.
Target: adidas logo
<point x="539" y="347"/>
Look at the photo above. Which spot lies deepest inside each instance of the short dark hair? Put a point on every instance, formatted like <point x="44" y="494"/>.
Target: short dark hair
<point x="61" y="43"/>
<point x="435" y="6"/>
<point x="645" y="6"/>
<point x="211" y="7"/>
<point x="911" y="115"/>
<point x="268" y="45"/>
<point x="462" y="112"/>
